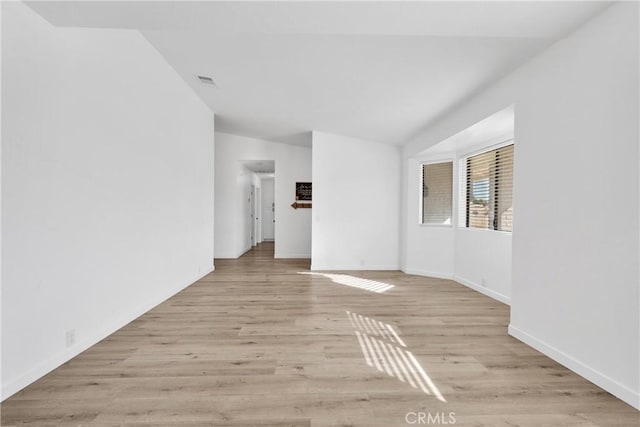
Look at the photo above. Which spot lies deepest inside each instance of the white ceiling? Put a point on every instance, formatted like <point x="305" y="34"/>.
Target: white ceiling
<point x="260" y="166"/>
<point x="495" y="129"/>
<point x="379" y="71"/>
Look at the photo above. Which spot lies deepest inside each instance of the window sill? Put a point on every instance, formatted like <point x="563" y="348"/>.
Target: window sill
<point x="435" y="225"/>
<point x="484" y="230"/>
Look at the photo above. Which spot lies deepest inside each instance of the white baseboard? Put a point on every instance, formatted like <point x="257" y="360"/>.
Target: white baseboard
<point x="436" y="275"/>
<point x="226" y="256"/>
<point x="317" y="267"/>
<point x="55" y="361"/>
<point x="229" y="255"/>
<point x="483" y="290"/>
<point x="621" y="391"/>
<point x="292" y="256"/>
<point x="469" y="284"/>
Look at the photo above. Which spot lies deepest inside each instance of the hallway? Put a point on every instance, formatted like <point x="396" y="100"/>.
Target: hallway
<point x="265" y="342"/>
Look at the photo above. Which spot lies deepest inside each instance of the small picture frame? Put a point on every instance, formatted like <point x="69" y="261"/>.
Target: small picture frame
<point x="303" y="191"/>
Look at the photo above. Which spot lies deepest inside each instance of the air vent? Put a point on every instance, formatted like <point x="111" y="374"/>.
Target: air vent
<point x="205" y="80"/>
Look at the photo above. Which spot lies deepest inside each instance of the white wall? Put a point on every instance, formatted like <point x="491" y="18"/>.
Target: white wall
<point x="479" y="259"/>
<point x="483" y="261"/>
<point x="2" y="394"/>
<point x="429" y="250"/>
<point x="575" y="241"/>
<point x="293" y="164"/>
<point x="356" y="200"/>
<point x="107" y="188"/>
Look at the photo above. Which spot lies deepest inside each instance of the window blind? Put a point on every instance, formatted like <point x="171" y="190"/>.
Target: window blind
<point x="437" y="183"/>
<point x="490" y="190"/>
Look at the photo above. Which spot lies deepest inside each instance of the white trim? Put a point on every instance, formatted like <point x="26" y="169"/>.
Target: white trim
<point x="428" y="225"/>
<point x="492" y="144"/>
<point x="436" y="160"/>
<point x="231" y="255"/>
<point x="315" y="267"/>
<point x="484" y="230"/>
<point x="619" y="390"/>
<point x="464" y="282"/>
<point x="244" y="251"/>
<point x="504" y="141"/>
<point x="461" y="196"/>
<point x="46" y="366"/>
<point x="483" y="290"/>
<point x="225" y="256"/>
<point x="292" y="256"/>
<point x="435" y="275"/>
<point x="421" y="164"/>
<point x="228" y="255"/>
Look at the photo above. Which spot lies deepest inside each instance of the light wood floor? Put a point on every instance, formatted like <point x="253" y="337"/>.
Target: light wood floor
<point x="258" y="344"/>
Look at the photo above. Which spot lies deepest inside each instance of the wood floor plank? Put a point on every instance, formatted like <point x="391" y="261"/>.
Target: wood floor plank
<point x="260" y="342"/>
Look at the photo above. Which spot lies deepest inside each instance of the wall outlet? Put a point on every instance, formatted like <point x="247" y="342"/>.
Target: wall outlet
<point x="483" y="282"/>
<point x="70" y="337"/>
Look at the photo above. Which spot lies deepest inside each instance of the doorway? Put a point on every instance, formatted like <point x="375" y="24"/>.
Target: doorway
<point x="260" y="210"/>
<point x="252" y="215"/>
<point x="268" y="210"/>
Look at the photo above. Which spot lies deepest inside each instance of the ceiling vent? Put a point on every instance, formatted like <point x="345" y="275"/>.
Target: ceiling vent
<point x="205" y="80"/>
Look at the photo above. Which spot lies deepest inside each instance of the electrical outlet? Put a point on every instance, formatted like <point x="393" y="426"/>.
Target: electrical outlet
<point x="483" y="282"/>
<point x="70" y="337"/>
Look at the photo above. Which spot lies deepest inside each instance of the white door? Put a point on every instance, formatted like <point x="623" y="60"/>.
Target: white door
<point x="268" y="210"/>
<point x="252" y="215"/>
<point x="258" y="216"/>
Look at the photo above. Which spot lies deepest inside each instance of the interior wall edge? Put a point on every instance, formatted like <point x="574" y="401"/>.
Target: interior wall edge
<point x="337" y="267"/>
<point x="292" y="256"/>
<point x="483" y="290"/>
<point x="434" y="274"/>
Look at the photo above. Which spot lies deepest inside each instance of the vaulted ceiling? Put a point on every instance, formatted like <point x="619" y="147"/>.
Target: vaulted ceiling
<point x="379" y="71"/>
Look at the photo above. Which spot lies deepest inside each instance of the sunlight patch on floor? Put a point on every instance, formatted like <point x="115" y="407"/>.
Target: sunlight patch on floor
<point x="354" y="282"/>
<point x="384" y="350"/>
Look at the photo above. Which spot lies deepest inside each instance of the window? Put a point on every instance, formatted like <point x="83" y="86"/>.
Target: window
<point x="437" y="183"/>
<point x="489" y="190"/>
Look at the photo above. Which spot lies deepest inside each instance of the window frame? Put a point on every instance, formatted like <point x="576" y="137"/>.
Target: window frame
<point x="462" y="183"/>
<point x="421" y="164"/>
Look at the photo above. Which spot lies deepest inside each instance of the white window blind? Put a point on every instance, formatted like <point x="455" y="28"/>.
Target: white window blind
<point x="437" y="183"/>
<point x="490" y="190"/>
